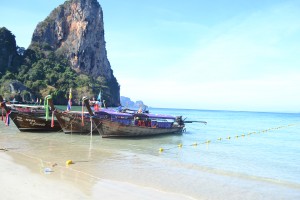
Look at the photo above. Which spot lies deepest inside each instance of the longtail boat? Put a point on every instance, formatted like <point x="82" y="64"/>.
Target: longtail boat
<point x="29" y="118"/>
<point x="119" y="124"/>
<point x="37" y="110"/>
<point x="72" y="121"/>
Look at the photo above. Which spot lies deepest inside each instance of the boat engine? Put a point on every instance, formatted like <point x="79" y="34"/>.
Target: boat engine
<point x="179" y="120"/>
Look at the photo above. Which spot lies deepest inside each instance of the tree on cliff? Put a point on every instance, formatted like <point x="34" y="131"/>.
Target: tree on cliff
<point x="44" y="72"/>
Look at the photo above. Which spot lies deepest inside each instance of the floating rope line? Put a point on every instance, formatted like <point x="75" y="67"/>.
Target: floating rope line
<point x="161" y="149"/>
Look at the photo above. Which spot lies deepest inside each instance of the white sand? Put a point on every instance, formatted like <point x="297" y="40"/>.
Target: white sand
<point x="19" y="182"/>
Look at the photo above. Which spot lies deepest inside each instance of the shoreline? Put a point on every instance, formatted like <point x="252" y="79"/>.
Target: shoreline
<point x="121" y="169"/>
<point x="22" y="181"/>
<point x="23" y="176"/>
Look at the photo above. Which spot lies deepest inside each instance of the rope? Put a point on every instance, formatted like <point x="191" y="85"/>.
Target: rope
<point x="207" y="142"/>
<point x="43" y="163"/>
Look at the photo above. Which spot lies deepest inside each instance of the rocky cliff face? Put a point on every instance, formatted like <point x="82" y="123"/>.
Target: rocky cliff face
<point x="75" y="30"/>
<point x="9" y="57"/>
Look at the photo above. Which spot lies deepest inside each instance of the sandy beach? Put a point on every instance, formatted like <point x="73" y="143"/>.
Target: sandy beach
<point x="25" y="177"/>
<point x="19" y="182"/>
<point x="34" y="167"/>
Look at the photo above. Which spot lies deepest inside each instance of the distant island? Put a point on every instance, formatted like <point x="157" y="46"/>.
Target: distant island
<point x="128" y="103"/>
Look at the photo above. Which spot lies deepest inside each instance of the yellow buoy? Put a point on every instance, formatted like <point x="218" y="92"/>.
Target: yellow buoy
<point x="69" y="162"/>
<point x="161" y="149"/>
<point x="180" y="145"/>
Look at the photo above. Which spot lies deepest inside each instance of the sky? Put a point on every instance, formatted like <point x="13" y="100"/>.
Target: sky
<point x="198" y="54"/>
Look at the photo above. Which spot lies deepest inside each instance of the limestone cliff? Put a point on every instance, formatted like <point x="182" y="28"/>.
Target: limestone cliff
<point x="75" y="29"/>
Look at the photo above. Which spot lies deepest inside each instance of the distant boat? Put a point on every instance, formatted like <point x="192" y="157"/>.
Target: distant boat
<point x="29" y="118"/>
<point x="72" y="121"/>
<point x="119" y="124"/>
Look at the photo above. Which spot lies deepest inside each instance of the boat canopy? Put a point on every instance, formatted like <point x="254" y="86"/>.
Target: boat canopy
<point x="129" y="115"/>
<point x="113" y="113"/>
<point x="154" y="116"/>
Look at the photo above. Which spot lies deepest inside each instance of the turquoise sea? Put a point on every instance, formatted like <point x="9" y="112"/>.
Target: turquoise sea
<point x="237" y="155"/>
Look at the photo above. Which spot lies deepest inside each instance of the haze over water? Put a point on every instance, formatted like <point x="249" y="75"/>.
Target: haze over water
<point x="239" y="155"/>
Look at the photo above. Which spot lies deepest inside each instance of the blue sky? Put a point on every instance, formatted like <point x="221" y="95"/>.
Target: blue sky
<point x="219" y="55"/>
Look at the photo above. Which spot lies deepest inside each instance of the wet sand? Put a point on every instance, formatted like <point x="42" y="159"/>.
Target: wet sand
<point x="19" y="182"/>
<point x="117" y="169"/>
<point x="24" y="177"/>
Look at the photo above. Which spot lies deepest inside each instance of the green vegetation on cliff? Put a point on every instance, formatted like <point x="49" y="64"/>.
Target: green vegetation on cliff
<point x="44" y="72"/>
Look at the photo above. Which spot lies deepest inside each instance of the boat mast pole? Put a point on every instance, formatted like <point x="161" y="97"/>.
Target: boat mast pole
<point x="88" y="107"/>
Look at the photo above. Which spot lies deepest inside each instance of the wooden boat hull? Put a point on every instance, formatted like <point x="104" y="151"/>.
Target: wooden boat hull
<point x="29" y="122"/>
<point x="109" y="128"/>
<point x="72" y="123"/>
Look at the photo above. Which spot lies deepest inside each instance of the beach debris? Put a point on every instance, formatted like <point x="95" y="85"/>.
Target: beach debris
<point x="3" y="149"/>
<point x="195" y="144"/>
<point x="55" y="164"/>
<point x="48" y="170"/>
<point x="69" y="162"/>
<point x="207" y="141"/>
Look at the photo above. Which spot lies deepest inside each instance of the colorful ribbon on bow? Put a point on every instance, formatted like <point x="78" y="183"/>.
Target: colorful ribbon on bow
<point x="82" y="118"/>
<point x="46" y="105"/>
<point x="7" y="120"/>
<point x="52" y="120"/>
